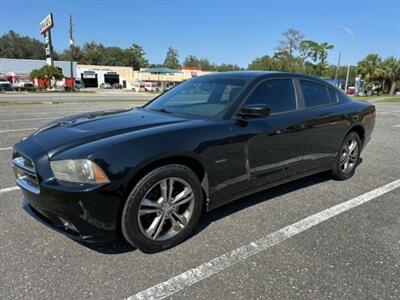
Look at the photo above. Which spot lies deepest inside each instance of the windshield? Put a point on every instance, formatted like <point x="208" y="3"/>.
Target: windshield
<point x="202" y="97"/>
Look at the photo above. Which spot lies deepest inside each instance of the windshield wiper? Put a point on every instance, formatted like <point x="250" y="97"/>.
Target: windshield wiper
<point x="163" y="110"/>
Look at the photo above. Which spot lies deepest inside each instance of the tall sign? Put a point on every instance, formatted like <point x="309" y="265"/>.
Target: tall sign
<point x="45" y="28"/>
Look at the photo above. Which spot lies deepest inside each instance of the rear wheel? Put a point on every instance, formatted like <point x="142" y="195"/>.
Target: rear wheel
<point x="162" y="209"/>
<point x="348" y="157"/>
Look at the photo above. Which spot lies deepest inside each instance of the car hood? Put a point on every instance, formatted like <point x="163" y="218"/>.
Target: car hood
<point x="79" y="129"/>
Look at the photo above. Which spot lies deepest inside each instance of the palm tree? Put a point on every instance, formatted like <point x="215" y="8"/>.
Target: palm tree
<point x="370" y="68"/>
<point x="391" y="69"/>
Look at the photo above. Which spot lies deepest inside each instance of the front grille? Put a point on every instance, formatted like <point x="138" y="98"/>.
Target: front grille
<point x="25" y="173"/>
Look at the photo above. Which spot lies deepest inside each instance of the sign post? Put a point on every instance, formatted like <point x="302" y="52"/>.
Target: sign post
<point x="45" y="27"/>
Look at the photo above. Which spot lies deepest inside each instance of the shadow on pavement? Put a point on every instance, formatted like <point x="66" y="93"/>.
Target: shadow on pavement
<point x="262" y="196"/>
<point x="120" y="246"/>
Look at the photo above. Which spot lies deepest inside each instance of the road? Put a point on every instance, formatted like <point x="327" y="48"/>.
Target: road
<point x="288" y="242"/>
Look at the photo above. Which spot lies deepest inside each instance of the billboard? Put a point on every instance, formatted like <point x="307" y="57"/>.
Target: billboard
<point x="46" y="24"/>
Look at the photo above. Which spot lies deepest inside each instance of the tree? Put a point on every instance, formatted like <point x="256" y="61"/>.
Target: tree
<point x="77" y="54"/>
<point x="391" y="72"/>
<point x="13" y="45"/>
<point x="191" y="61"/>
<point x="136" y="57"/>
<point x="47" y="71"/>
<point x="315" y="56"/>
<point x="264" y="63"/>
<point x="291" y="41"/>
<point x="227" y="67"/>
<point x="205" y="65"/>
<point x="171" y="59"/>
<point x="280" y="61"/>
<point x="370" y="68"/>
<point x="93" y="54"/>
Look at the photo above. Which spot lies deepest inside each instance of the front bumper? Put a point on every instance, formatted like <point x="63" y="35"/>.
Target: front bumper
<point x="82" y="212"/>
<point x="70" y="217"/>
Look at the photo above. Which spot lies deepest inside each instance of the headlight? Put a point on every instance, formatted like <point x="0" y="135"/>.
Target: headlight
<point x="78" y="171"/>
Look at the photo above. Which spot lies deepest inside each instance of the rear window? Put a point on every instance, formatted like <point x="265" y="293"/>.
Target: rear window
<point x="332" y="95"/>
<point x="315" y="94"/>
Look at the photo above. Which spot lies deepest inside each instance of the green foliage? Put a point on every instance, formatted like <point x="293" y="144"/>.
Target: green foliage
<point x="171" y="60"/>
<point x="93" y="53"/>
<point x="280" y="61"/>
<point x="136" y="57"/>
<point x="391" y="72"/>
<point x="206" y="65"/>
<point x="13" y="45"/>
<point x="47" y="71"/>
<point x="191" y="61"/>
<point x="316" y="56"/>
<point x="371" y="68"/>
<point x="228" y="67"/>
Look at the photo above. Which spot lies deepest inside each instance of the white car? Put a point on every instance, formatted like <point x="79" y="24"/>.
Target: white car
<point x="23" y="85"/>
<point x="5" y="85"/>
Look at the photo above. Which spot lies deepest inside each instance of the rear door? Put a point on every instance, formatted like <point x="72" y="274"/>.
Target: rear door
<point x="325" y="124"/>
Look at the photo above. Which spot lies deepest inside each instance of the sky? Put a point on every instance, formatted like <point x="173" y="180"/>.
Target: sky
<point x="224" y="31"/>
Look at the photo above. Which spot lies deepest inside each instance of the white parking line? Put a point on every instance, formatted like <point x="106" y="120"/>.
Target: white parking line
<point x="5" y="149"/>
<point x="397" y="126"/>
<point x="9" y="189"/>
<point x="216" y="265"/>
<point x="21" y="129"/>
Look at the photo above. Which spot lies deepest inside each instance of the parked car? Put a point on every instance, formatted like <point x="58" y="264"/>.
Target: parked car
<point x="5" y="85"/>
<point x="148" y="173"/>
<point x="24" y="85"/>
<point x="350" y="90"/>
<point x="79" y="84"/>
<point x="117" y="86"/>
<point x="105" y="86"/>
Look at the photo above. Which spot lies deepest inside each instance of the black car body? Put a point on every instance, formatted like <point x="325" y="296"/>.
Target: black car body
<point x="233" y="155"/>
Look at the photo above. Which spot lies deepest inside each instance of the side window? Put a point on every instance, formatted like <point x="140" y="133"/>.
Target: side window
<point x="315" y="94"/>
<point x="278" y="94"/>
<point x="332" y="95"/>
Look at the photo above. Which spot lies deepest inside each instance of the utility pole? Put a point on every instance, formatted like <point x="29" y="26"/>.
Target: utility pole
<point x="337" y="70"/>
<point x="71" y="50"/>
<point x="350" y="56"/>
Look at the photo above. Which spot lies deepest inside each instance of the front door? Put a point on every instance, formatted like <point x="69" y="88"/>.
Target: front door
<point x="273" y="147"/>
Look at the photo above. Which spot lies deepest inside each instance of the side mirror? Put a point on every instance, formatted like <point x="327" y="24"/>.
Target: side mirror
<point x="255" y="111"/>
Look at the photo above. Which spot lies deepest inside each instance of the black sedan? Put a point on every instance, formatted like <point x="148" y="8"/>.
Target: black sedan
<point x="148" y="173"/>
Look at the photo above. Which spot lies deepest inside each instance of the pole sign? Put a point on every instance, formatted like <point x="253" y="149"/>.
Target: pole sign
<point x="45" y="27"/>
<point x="46" y="24"/>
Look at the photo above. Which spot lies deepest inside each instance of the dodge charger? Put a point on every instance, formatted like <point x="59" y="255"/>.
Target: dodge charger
<point x="147" y="174"/>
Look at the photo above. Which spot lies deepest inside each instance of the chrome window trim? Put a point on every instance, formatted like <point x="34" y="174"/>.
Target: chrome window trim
<point x="261" y="81"/>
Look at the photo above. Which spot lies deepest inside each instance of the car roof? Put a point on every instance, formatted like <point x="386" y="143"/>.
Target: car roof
<point x="252" y="75"/>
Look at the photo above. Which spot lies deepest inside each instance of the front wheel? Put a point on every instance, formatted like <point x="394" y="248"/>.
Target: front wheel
<point x="162" y="209"/>
<point x="348" y="157"/>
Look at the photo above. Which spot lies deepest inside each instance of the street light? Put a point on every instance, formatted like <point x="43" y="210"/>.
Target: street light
<point x="351" y="33"/>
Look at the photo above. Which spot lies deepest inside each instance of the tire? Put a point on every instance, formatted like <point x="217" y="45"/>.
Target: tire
<point x="349" y="154"/>
<point x="147" y="198"/>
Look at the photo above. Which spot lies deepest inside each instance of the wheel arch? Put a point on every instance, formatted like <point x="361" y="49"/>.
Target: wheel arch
<point x="182" y="159"/>
<point x="359" y="129"/>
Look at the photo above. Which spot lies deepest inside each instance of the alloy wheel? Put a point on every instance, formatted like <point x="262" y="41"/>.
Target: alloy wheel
<point x="166" y="209"/>
<point x="349" y="155"/>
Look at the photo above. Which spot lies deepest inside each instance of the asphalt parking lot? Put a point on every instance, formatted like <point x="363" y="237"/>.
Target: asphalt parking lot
<point x="239" y="251"/>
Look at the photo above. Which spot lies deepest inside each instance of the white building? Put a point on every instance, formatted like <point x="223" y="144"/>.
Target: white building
<point x="15" y="70"/>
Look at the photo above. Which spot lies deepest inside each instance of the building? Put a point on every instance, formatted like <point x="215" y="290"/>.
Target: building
<point x="92" y="76"/>
<point x="15" y="70"/>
